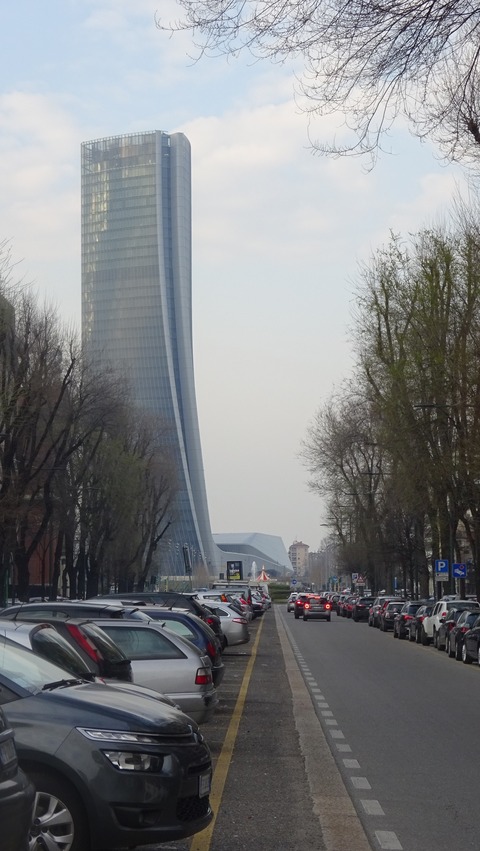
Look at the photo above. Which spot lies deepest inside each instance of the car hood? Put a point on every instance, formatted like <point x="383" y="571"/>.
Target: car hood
<point x="102" y="705"/>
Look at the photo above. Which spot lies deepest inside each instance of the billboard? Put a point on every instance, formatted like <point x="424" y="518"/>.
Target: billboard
<point x="234" y="570"/>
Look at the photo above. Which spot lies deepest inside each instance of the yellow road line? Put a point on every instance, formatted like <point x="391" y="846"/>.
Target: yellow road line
<point x="201" y="841"/>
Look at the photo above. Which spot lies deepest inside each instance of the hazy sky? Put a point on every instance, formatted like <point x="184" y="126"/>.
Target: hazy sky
<point x="277" y="231"/>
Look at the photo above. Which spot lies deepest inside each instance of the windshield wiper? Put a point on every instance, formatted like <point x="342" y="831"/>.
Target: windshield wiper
<point x="61" y="684"/>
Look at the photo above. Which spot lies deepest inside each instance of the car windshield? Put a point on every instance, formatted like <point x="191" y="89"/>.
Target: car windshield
<point x="28" y="670"/>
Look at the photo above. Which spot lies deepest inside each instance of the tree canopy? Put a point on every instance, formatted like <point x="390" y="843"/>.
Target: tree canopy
<point x="370" y="61"/>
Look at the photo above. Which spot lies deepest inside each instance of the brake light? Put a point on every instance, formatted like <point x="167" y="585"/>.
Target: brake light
<point x="203" y="677"/>
<point x="408" y="617"/>
<point x="328" y="606"/>
<point x="306" y="606"/>
<point x="83" y="642"/>
<point x="443" y="615"/>
<point x="211" y="650"/>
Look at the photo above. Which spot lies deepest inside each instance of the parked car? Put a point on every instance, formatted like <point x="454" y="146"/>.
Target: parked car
<point x="317" y="608"/>
<point x="455" y="637"/>
<point x="17" y="794"/>
<point x="236" y="601"/>
<point x="234" y="626"/>
<point x="110" y="769"/>
<point x="348" y="604"/>
<point x="100" y="653"/>
<point x="45" y="640"/>
<point x="62" y="609"/>
<point x="189" y="626"/>
<point x="446" y="625"/>
<point x="361" y="608"/>
<point x="415" y="627"/>
<point x="291" y="601"/>
<point x="376" y="607"/>
<point x="169" y="599"/>
<point x="471" y="644"/>
<point x="388" y="613"/>
<point x="166" y="663"/>
<point x="402" y="621"/>
<point x="432" y="622"/>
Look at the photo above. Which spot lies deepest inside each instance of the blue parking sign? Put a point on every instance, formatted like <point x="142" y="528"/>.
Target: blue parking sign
<point x="441" y="569"/>
<point x="459" y="571"/>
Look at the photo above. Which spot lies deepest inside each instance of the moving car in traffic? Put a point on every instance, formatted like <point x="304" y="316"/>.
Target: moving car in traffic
<point x="317" y="608"/>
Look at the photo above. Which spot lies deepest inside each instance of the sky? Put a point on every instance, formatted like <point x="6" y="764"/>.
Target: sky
<point x="279" y="232"/>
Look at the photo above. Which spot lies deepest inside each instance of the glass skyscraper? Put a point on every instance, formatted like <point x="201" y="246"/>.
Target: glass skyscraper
<point x="137" y="302"/>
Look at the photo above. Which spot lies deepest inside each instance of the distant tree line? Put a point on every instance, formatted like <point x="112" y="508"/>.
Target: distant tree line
<point x="87" y="482"/>
<point x="396" y="451"/>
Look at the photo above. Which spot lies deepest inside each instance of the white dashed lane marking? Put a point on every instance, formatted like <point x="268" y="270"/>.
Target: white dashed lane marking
<point x="387" y="839"/>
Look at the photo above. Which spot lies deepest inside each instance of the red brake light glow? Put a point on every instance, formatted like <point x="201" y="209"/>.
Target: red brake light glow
<point x="306" y="606"/>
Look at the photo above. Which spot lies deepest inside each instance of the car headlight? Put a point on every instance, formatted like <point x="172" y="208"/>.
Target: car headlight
<point x="132" y="761"/>
<point x="119" y="736"/>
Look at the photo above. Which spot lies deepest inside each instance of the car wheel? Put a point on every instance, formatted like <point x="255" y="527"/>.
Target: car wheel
<point x="395" y="633"/>
<point x="425" y="638"/>
<point x="304" y="618"/>
<point x="296" y="616"/>
<point x="328" y="620"/>
<point x="465" y="657"/>
<point x="448" y="648"/>
<point x="458" y="652"/>
<point x="59" y="821"/>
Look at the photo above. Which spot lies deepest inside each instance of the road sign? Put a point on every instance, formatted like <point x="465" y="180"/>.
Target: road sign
<point x="459" y="571"/>
<point x="354" y="577"/>
<point x="441" y="570"/>
<point x="293" y="582"/>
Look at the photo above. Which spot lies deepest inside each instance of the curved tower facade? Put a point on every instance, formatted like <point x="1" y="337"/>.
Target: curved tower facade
<point x="137" y="302"/>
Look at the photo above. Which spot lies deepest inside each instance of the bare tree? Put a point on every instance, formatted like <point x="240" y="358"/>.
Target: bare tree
<point x="370" y="61"/>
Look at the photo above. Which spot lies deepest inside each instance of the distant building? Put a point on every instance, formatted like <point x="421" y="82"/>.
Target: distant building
<point x="137" y="304"/>
<point x="298" y="554"/>
<point x="255" y="550"/>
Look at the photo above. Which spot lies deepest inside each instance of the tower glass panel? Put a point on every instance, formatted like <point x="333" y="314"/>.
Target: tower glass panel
<point x="137" y="301"/>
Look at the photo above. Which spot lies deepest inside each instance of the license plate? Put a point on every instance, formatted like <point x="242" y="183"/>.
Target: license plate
<point x="7" y="752"/>
<point x="204" y="784"/>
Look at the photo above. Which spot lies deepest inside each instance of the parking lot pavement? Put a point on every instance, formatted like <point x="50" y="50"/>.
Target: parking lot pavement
<point x="265" y="802"/>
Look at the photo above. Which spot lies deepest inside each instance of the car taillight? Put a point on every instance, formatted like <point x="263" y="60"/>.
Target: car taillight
<point x="443" y="615"/>
<point x="306" y="605"/>
<point x="408" y="617"/>
<point x="328" y="606"/>
<point x="84" y="642"/>
<point x="203" y="677"/>
<point x="211" y="650"/>
<point x="239" y="620"/>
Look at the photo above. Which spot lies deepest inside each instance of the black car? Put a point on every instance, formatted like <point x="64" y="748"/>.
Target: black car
<point x="388" y="613"/>
<point x="454" y="642"/>
<point x="61" y="610"/>
<point x="446" y="625"/>
<point x="361" y="608"/>
<point x="404" y="619"/>
<point x="415" y="627"/>
<point x="96" y="648"/>
<point x="111" y="768"/>
<point x="17" y="794"/>
<point x="299" y="604"/>
<point x="471" y="643"/>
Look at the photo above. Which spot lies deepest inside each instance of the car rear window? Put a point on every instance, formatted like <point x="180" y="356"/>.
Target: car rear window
<point x="144" y="643"/>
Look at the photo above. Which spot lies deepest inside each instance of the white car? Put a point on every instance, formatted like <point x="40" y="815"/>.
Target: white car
<point x="291" y="601"/>
<point x="430" y="624"/>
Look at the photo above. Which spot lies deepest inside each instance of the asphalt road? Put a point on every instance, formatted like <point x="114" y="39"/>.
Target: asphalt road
<point x="410" y="716"/>
<point x="347" y="740"/>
